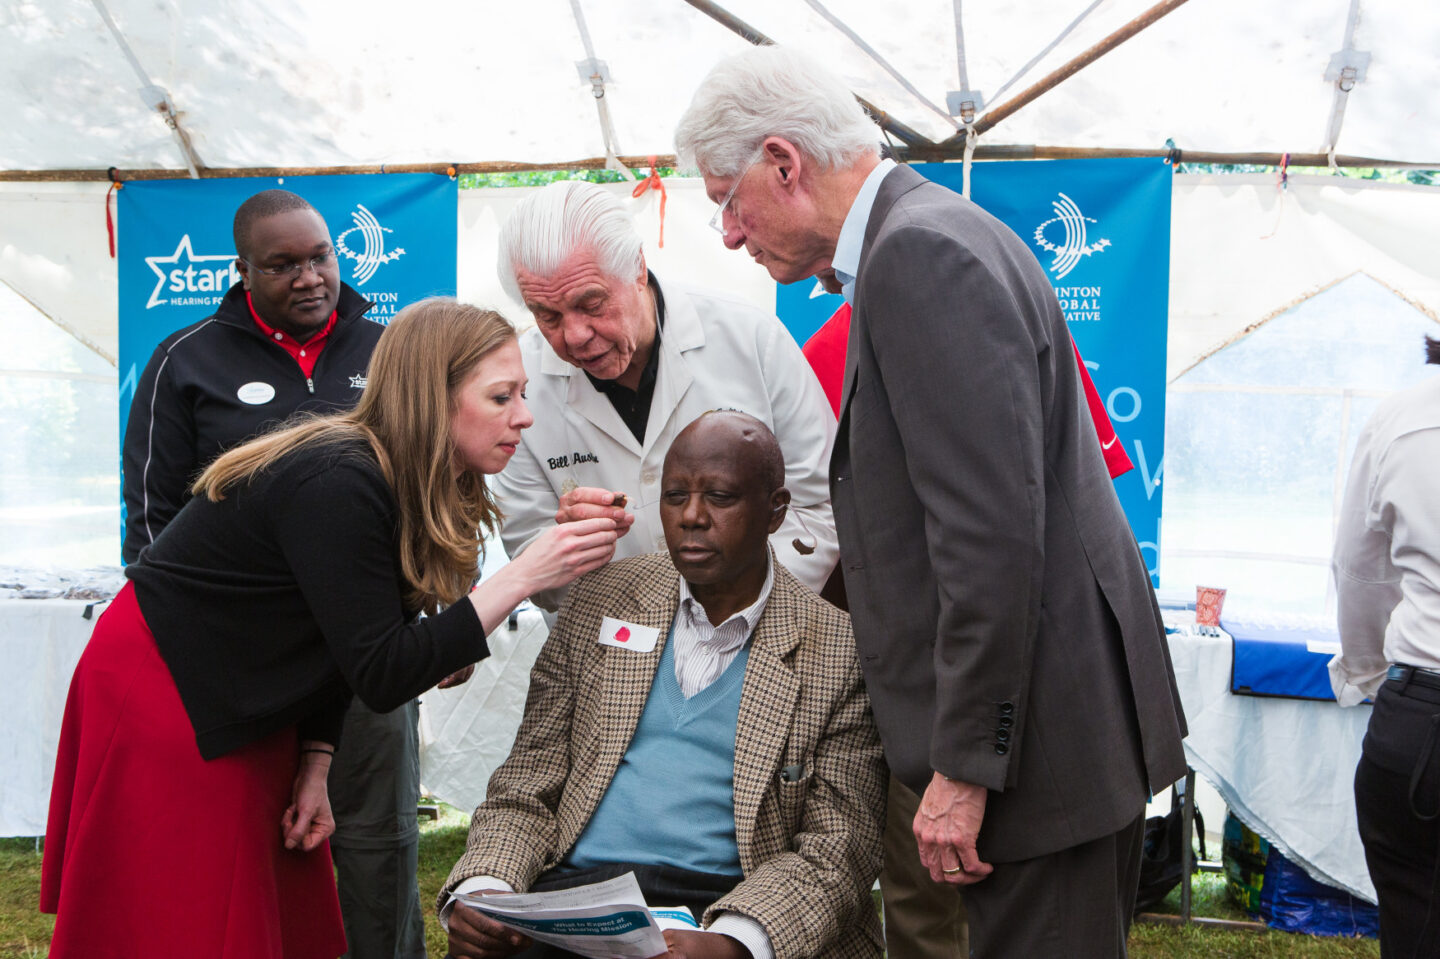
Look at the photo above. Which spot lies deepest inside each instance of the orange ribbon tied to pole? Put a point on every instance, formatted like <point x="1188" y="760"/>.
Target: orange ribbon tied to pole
<point x="654" y="180"/>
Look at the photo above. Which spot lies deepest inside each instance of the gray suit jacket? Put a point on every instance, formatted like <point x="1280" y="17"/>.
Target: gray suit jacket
<point x="809" y="848"/>
<point x="1003" y="614"/>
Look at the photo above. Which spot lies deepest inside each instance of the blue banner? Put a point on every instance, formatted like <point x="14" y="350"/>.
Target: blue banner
<point x="1101" y="229"/>
<point x="394" y="234"/>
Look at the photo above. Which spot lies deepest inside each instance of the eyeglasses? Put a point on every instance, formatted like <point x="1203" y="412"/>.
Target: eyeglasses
<point x="316" y="263"/>
<point x="716" y="221"/>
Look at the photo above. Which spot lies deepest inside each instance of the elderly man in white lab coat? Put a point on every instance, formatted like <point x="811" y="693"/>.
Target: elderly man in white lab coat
<point x="620" y="362"/>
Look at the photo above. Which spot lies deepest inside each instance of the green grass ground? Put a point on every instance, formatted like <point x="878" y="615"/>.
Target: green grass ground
<point x="25" y="933"/>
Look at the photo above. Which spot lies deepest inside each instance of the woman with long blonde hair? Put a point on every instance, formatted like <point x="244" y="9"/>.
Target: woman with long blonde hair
<point x="189" y="811"/>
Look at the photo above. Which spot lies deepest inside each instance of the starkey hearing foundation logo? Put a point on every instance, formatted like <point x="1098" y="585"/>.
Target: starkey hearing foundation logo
<point x="1071" y="245"/>
<point x="373" y="255"/>
<point x="185" y="279"/>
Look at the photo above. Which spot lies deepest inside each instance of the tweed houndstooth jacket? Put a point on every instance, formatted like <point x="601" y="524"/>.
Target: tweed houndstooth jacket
<point x="809" y="849"/>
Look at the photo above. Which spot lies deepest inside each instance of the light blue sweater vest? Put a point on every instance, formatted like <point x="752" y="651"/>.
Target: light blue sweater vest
<point x="672" y="799"/>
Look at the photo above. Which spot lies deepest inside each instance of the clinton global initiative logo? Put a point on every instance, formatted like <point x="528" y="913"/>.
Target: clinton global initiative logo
<point x="1067" y="240"/>
<point x="372" y="255"/>
<point x="184" y="279"/>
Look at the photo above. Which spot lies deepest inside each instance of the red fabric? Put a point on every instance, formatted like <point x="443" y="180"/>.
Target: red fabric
<point x="305" y="353"/>
<point x="826" y="352"/>
<point x="1115" y="459"/>
<point x="152" y="851"/>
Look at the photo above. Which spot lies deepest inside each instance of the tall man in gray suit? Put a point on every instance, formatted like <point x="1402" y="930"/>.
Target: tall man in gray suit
<point x="1010" y="639"/>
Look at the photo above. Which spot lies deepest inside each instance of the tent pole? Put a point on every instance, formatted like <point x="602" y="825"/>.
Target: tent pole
<point x="1067" y="70"/>
<point x="880" y="61"/>
<point x="596" y="73"/>
<point x="1347" y="67"/>
<point x="910" y="136"/>
<point x="156" y="97"/>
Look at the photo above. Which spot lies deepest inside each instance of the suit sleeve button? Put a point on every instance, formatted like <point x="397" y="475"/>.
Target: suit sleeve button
<point x="1006" y="722"/>
<point x="1007" y="707"/>
<point x="1001" y="749"/>
<point x="1003" y="735"/>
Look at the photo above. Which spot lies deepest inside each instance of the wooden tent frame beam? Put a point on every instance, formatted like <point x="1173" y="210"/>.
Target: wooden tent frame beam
<point x="938" y="152"/>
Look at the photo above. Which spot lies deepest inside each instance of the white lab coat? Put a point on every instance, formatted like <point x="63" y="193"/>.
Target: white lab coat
<point x="716" y="352"/>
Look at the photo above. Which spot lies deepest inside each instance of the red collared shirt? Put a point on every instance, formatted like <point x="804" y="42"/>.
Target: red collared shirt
<point x="305" y="353"/>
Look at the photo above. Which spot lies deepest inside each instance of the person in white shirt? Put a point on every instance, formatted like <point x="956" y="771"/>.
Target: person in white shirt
<point x="1387" y="581"/>
<point x="621" y="361"/>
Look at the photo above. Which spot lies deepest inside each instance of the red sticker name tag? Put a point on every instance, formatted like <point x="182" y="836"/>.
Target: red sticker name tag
<point x="617" y="632"/>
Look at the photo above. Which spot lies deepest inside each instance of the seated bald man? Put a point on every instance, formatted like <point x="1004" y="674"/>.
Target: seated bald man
<point x="697" y="717"/>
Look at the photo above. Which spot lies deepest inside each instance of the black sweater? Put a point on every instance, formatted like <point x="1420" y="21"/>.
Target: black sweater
<point x="271" y="605"/>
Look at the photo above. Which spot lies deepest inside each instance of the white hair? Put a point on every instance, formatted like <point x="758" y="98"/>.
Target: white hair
<point x="551" y="224"/>
<point x="772" y="91"/>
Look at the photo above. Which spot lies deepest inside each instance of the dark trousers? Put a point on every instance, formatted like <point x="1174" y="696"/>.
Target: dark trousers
<point x="662" y="885"/>
<point x="924" y="919"/>
<point x="1397" y="798"/>
<point x="1072" y="904"/>
<point x="374" y="791"/>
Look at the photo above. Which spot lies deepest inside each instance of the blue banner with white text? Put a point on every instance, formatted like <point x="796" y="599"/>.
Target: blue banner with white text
<point x="394" y="236"/>
<point x="1101" y="229"/>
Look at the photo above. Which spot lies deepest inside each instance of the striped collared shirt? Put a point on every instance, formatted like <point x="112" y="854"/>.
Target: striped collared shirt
<point x="703" y="651"/>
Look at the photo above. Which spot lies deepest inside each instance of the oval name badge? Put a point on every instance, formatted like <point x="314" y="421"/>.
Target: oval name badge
<point x="256" y="393"/>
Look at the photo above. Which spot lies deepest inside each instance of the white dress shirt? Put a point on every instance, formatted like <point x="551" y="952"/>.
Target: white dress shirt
<point x="1387" y="546"/>
<point x="703" y="651"/>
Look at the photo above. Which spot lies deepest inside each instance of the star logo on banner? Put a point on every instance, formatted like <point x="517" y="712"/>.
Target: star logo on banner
<point x="186" y="254"/>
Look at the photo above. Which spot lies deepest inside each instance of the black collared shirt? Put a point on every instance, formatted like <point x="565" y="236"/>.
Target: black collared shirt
<point x="634" y="405"/>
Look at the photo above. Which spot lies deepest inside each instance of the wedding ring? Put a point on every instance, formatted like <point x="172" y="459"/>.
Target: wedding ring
<point x="951" y="872"/>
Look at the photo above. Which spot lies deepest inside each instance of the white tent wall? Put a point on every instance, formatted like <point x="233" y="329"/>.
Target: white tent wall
<point x="1242" y="250"/>
<point x="54" y="252"/>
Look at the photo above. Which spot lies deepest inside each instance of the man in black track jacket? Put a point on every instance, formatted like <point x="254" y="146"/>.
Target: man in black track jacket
<point x="243" y="371"/>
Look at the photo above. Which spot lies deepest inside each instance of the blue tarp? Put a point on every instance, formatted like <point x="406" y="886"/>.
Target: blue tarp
<point x="1277" y="661"/>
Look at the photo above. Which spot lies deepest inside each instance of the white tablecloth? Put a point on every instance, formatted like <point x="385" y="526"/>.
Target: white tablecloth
<point x="40" y="642"/>
<point x="1285" y="767"/>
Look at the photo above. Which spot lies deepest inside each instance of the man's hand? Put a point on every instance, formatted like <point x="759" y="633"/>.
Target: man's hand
<point x="588" y="502"/>
<point x="474" y="935"/>
<point x="947" y="826"/>
<point x="696" y="944"/>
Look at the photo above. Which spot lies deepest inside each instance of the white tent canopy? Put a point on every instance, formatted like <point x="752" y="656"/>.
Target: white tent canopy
<point x="263" y="83"/>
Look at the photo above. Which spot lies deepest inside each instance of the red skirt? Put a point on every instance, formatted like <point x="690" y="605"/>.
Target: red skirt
<point x="153" y="851"/>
